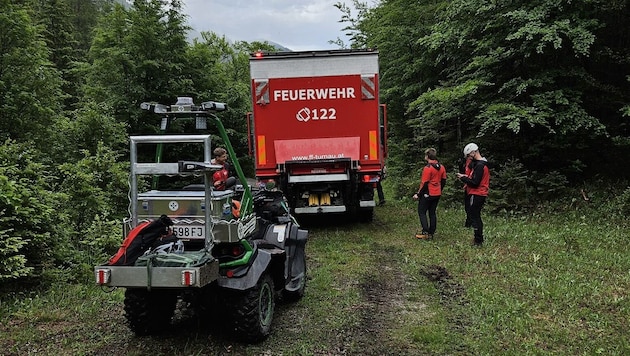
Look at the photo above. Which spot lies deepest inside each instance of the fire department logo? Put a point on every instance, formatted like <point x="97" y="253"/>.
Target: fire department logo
<point x="303" y="115"/>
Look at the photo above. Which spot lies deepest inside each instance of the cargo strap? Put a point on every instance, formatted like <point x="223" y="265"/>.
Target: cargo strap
<point x="149" y="270"/>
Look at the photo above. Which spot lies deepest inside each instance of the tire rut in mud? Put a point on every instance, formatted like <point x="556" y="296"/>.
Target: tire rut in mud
<point x="453" y="298"/>
<point x="382" y="292"/>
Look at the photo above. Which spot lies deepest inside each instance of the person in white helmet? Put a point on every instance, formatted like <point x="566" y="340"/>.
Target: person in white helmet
<point x="477" y="181"/>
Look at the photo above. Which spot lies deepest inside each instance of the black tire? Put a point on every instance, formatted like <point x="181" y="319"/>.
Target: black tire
<point x="252" y="310"/>
<point x="366" y="216"/>
<point x="149" y="312"/>
<point x="204" y="305"/>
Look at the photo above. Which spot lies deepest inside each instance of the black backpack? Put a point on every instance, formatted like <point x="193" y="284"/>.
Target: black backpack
<point x="140" y="239"/>
<point x="270" y="205"/>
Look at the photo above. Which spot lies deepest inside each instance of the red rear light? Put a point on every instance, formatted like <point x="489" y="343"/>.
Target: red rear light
<point x="188" y="277"/>
<point x="102" y="276"/>
<point x="370" y="178"/>
<point x="258" y="54"/>
<point x="237" y="250"/>
<point x="229" y="274"/>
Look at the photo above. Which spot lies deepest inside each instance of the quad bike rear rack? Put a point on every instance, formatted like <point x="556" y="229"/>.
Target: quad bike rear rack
<point x="166" y="277"/>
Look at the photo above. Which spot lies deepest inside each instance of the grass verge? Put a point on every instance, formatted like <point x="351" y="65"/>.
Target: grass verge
<point x="542" y="284"/>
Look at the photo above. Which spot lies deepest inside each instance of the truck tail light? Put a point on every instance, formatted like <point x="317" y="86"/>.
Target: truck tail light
<point x="103" y="275"/>
<point x="188" y="277"/>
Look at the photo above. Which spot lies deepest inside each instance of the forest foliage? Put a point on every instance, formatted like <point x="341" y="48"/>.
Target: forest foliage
<point x="543" y="87"/>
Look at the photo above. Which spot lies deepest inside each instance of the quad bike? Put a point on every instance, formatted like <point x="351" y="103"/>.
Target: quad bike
<point x="230" y="254"/>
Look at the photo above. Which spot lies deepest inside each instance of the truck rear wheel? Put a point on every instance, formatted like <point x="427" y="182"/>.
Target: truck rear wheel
<point x="252" y="310"/>
<point x="149" y="312"/>
<point x="366" y="216"/>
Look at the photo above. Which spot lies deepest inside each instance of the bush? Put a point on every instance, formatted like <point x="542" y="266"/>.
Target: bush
<point x="31" y="227"/>
<point x="97" y="188"/>
<point x="510" y="188"/>
<point x="616" y="204"/>
<point x="513" y="188"/>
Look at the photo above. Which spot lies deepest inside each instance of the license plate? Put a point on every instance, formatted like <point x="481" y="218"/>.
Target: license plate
<point x="190" y="231"/>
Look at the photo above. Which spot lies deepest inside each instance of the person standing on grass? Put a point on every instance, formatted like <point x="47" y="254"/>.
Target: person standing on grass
<point x="465" y="169"/>
<point x="428" y="195"/>
<point x="477" y="183"/>
<point x="379" y="186"/>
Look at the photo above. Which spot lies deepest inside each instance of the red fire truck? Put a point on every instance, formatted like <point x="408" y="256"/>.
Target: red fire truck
<point x="318" y="129"/>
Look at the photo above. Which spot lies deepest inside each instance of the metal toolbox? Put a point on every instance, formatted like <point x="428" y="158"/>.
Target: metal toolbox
<point x="188" y="204"/>
<point x="186" y="208"/>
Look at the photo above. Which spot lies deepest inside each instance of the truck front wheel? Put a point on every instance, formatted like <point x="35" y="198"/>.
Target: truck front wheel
<point x="149" y="312"/>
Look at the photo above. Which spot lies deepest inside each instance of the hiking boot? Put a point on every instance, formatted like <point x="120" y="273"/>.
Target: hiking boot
<point x="422" y="236"/>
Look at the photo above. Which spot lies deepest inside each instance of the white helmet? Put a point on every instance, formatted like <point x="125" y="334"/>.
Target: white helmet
<point x="470" y="148"/>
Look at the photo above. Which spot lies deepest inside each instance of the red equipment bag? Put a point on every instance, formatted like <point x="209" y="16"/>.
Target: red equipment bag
<point x="140" y="239"/>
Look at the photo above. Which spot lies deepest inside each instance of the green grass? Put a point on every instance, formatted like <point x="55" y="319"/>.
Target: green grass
<point x="541" y="284"/>
<point x="544" y="284"/>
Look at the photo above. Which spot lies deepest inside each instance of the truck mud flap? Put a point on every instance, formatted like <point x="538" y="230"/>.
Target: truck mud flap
<point x="157" y="277"/>
<point x="321" y="209"/>
<point x="260" y="264"/>
<point x="367" y="203"/>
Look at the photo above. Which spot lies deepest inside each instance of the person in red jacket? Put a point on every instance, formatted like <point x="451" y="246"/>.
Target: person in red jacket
<point x="477" y="182"/>
<point x="428" y="195"/>
<point x="222" y="179"/>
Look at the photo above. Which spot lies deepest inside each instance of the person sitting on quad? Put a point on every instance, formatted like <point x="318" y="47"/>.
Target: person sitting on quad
<point x="222" y="179"/>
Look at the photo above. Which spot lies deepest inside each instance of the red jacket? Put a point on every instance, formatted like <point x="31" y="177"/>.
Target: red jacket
<point x="478" y="180"/>
<point x="433" y="179"/>
<point x="220" y="176"/>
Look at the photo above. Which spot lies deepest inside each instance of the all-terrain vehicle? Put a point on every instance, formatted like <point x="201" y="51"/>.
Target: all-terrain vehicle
<point x="228" y="253"/>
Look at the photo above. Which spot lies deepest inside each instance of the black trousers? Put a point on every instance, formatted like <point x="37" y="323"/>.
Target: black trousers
<point x="474" y="205"/>
<point x="379" y="191"/>
<point x="466" y="209"/>
<point x="428" y="205"/>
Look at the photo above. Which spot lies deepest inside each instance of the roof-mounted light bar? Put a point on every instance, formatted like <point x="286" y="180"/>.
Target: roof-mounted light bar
<point x="184" y="105"/>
